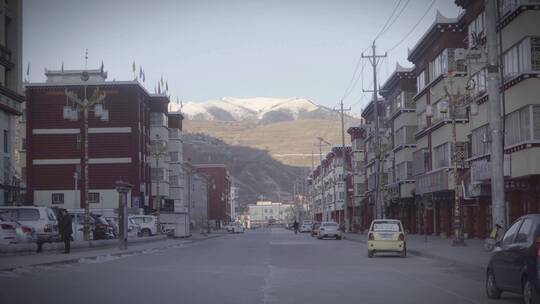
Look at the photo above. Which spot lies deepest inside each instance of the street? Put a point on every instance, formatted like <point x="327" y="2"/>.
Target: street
<point x="261" y="266"/>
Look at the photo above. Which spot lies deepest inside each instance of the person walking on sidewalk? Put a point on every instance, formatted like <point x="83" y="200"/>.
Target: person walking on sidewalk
<point x="66" y="230"/>
<point x="295" y="226"/>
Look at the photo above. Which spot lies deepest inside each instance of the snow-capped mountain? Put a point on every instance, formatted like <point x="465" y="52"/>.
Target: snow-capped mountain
<point x="263" y="109"/>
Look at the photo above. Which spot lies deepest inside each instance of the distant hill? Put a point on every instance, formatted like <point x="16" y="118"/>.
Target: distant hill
<point x="285" y="127"/>
<point x="253" y="170"/>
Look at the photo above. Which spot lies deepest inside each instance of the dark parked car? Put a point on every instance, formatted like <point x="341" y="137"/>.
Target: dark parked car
<point x="102" y="229"/>
<point x="514" y="263"/>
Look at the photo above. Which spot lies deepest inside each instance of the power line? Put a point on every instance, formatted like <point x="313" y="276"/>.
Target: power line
<point x="383" y="29"/>
<point x="389" y="22"/>
<point x="395" y="19"/>
<point x="413" y="28"/>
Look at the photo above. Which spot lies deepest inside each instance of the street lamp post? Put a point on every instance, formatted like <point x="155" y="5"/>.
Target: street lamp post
<point x="71" y="112"/>
<point x="158" y="150"/>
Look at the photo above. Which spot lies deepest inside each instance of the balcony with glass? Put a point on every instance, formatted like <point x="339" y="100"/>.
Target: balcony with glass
<point x="523" y="126"/>
<point x="404" y="136"/>
<point x="402" y="102"/>
<point x="522" y="58"/>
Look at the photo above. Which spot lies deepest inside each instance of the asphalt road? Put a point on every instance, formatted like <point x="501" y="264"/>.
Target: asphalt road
<point x="265" y="266"/>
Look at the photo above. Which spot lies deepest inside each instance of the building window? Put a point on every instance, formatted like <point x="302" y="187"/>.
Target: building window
<point x="404" y="136"/>
<point x="480" y="141"/>
<point x="57" y="198"/>
<point x="441" y="155"/>
<point x="173" y="156"/>
<point x="158" y="174"/>
<point x="476" y="30"/>
<point x="479" y="81"/>
<point x="518" y="59"/>
<point x="23" y="144"/>
<point x="158" y="119"/>
<point x="6" y="141"/>
<point x="23" y="174"/>
<point x="421" y="81"/>
<point x="420" y="161"/>
<point x="421" y="120"/>
<point x="173" y="179"/>
<point x="403" y="171"/>
<point x="522" y="125"/>
<point x="93" y="197"/>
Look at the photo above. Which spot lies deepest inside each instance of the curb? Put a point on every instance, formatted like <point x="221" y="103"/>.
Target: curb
<point x="25" y="249"/>
<point x="74" y="260"/>
<point x="419" y="253"/>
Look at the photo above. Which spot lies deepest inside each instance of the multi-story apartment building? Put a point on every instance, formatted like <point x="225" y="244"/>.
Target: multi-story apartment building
<point x="519" y="36"/>
<point x="398" y="92"/>
<point x="11" y="101"/>
<point x="159" y="151"/>
<point x="327" y="186"/>
<point x="219" y="184"/>
<point x="265" y="212"/>
<point x="438" y="69"/>
<point x="117" y="146"/>
<point x="233" y="202"/>
<point x="175" y="149"/>
<point x="361" y="214"/>
<point x="372" y="149"/>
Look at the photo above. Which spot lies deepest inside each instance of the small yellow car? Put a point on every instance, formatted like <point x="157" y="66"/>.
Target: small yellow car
<point x="386" y="236"/>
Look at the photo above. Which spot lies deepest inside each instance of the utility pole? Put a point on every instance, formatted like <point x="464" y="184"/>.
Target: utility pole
<point x="345" y="169"/>
<point x="497" y="145"/>
<point x="374" y="60"/>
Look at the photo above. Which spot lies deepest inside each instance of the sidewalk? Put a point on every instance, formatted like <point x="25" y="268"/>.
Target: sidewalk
<point x="434" y="247"/>
<point x="8" y="263"/>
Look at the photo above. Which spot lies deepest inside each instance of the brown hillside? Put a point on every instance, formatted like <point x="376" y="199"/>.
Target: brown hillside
<point x="290" y="142"/>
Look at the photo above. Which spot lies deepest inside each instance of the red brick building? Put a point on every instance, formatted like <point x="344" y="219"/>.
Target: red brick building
<point x="118" y="147"/>
<point x="219" y="184"/>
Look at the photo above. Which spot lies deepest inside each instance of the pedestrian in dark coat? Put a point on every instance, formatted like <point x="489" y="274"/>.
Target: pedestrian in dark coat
<point x="66" y="230"/>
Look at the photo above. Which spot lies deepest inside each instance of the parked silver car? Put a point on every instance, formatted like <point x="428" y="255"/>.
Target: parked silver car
<point x="41" y="219"/>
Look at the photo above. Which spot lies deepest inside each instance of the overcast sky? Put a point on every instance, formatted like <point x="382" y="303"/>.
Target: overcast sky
<point x="241" y="48"/>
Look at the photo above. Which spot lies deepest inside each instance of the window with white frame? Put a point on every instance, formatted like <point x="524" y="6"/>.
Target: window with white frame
<point x="523" y="57"/>
<point x="173" y="180"/>
<point x="57" y="198"/>
<point x="522" y="125"/>
<point x="480" y="141"/>
<point x="479" y="82"/>
<point x="93" y="197"/>
<point x="476" y="30"/>
<point x="404" y="136"/>
<point x="421" y="81"/>
<point x="420" y="161"/>
<point x="403" y="171"/>
<point x="422" y="120"/>
<point x="442" y="155"/>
